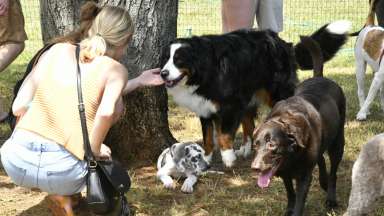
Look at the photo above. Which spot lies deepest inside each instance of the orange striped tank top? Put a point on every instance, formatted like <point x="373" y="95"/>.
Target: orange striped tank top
<point x="53" y="112"/>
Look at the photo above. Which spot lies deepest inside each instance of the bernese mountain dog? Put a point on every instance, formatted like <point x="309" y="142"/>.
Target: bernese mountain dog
<point x="223" y="78"/>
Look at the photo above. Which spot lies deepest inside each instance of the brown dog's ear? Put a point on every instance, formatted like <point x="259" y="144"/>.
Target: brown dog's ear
<point x="297" y="127"/>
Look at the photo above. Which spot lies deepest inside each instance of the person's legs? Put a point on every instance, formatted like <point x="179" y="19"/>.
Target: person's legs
<point x="237" y="14"/>
<point x="35" y="162"/>
<point x="379" y="10"/>
<point x="270" y="15"/>
<point x="9" y="52"/>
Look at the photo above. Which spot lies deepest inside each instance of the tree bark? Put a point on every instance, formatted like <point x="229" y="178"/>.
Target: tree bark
<point x="58" y="17"/>
<point x="143" y="132"/>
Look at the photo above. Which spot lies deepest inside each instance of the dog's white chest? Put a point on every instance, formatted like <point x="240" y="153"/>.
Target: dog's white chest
<point x="185" y="96"/>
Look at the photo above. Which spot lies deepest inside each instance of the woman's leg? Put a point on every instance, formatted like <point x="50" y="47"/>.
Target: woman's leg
<point x="270" y="15"/>
<point x="60" y="205"/>
<point x="33" y="161"/>
<point x="237" y="14"/>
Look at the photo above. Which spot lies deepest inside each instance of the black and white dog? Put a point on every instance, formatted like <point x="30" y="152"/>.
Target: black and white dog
<point x="223" y="78"/>
<point x="181" y="160"/>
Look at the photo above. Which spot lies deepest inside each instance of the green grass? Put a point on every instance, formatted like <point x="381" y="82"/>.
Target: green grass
<point x="235" y="192"/>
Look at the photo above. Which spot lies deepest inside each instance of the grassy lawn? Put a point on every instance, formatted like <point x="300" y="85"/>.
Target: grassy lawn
<point x="234" y="192"/>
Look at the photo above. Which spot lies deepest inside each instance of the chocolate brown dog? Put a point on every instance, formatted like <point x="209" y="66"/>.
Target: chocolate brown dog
<point x="294" y="136"/>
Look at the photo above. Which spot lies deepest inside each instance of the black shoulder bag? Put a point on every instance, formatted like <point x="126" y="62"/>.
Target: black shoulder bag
<point x="107" y="181"/>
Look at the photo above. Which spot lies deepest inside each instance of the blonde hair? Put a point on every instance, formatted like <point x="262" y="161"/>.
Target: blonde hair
<point x="111" y="28"/>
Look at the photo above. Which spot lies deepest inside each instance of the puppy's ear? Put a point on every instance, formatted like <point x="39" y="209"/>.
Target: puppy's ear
<point x="178" y="151"/>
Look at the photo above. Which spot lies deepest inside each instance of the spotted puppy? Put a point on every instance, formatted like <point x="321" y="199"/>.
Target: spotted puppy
<point x="369" y="49"/>
<point x="181" y="160"/>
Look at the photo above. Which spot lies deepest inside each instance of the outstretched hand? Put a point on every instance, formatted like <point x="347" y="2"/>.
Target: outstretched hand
<point x="151" y="77"/>
<point x="104" y="154"/>
<point x="4" y="4"/>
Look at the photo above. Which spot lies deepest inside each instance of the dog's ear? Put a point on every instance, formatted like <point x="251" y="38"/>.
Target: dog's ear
<point x="178" y="151"/>
<point x="297" y="127"/>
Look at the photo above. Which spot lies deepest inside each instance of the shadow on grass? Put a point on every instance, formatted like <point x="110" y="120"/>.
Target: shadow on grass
<point x="232" y="193"/>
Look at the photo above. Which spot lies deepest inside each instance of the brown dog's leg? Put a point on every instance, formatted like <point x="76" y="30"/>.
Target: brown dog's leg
<point x="248" y="125"/>
<point x="207" y="127"/>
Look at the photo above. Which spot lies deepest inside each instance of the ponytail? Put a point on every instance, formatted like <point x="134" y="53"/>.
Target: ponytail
<point x="91" y="47"/>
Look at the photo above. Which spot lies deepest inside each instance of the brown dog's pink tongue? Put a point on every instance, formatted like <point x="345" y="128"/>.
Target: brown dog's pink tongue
<point x="264" y="180"/>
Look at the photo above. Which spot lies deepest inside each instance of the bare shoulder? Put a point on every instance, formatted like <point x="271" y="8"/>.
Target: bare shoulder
<point x="111" y="67"/>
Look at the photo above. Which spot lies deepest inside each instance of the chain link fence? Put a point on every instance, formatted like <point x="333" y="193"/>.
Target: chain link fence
<point x="197" y="17"/>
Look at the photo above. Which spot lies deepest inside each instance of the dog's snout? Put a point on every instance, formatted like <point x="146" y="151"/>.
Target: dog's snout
<point x="164" y="73"/>
<point x="257" y="170"/>
<point x="256" y="166"/>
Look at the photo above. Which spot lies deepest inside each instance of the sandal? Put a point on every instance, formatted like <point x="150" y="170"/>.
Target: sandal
<point x="60" y="205"/>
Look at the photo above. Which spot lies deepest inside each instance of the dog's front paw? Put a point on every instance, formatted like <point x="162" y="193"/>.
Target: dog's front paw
<point x="229" y="157"/>
<point x="361" y="116"/>
<point x="187" y="187"/>
<point x="240" y="152"/>
<point x="168" y="182"/>
<point x="245" y="150"/>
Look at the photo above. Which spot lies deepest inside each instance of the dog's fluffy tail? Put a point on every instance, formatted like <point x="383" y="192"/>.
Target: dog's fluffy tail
<point x="330" y="38"/>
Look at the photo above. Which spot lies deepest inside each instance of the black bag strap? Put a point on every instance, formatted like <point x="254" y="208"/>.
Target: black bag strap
<point x="87" y="146"/>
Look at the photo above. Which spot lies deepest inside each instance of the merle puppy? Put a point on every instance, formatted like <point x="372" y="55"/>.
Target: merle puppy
<point x="181" y="160"/>
<point x="294" y="136"/>
<point x="223" y="78"/>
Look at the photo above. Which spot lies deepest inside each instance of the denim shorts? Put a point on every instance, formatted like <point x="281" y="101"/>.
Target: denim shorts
<point x="35" y="162"/>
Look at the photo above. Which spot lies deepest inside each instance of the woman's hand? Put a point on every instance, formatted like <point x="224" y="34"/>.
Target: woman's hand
<point x="104" y="154"/>
<point x="151" y="77"/>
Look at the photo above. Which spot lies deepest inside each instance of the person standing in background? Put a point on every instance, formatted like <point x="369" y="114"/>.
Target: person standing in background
<point x="237" y="14"/>
<point x="379" y="10"/>
<point x="12" y="37"/>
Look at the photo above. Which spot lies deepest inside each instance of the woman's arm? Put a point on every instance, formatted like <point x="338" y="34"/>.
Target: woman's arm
<point x="28" y="87"/>
<point x="108" y="108"/>
<point x="147" y="78"/>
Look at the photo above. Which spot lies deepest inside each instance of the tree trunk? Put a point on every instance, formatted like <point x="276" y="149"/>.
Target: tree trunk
<point x="58" y="17"/>
<point x="143" y="132"/>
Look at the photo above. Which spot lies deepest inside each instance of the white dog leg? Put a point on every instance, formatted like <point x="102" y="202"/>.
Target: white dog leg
<point x="382" y="97"/>
<point x="375" y="86"/>
<point x="164" y="175"/>
<point x="228" y="156"/>
<point x="360" y="78"/>
<point x="188" y="184"/>
<point x="245" y="149"/>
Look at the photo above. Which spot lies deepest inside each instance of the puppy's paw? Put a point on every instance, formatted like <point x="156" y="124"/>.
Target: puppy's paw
<point x="361" y="116"/>
<point x="229" y="157"/>
<point x="187" y="186"/>
<point x="168" y="182"/>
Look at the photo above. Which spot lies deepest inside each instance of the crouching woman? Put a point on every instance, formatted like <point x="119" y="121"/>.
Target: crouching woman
<point x="45" y="150"/>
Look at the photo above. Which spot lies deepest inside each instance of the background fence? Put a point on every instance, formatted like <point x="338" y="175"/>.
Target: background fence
<point x="198" y="17"/>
